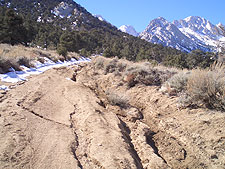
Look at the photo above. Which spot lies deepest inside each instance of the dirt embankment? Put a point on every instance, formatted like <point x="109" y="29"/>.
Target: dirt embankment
<point x="98" y="122"/>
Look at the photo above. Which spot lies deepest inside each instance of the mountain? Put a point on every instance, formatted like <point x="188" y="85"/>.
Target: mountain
<point x="189" y="34"/>
<point x="200" y="30"/>
<point x="129" y="29"/>
<point x="160" y="31"/>
<point x="66" y="26"/>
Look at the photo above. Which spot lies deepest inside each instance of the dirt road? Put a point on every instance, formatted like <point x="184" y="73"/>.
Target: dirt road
<point x="52" y="122"/>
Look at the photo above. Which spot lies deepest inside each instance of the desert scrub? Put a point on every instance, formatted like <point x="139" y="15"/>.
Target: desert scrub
<point x="142" y="73"/>
<point x="198" y="88"/>
<point x="207" y="88"/>
<point x="109" y="65"/>
<point x="132" y="73"/>
<point x="7" y="63"/>
<point x="176" y="84"/>
<point x="15" y="56"/>
<point x="116" y="99"/>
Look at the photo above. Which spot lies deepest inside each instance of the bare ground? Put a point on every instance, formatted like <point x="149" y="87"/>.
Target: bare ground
<point x="51" y="122"/>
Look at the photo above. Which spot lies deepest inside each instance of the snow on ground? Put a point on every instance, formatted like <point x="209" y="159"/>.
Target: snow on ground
<point x="16" y="76"/>
<point x="3" y="87"/>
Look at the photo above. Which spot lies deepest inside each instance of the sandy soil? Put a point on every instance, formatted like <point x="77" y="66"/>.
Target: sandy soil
<point x="52" y="122"/>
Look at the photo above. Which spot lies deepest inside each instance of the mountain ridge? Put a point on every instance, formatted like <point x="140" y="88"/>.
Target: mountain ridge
<point x="191" y="33"/>
<point x="187" y="34"/>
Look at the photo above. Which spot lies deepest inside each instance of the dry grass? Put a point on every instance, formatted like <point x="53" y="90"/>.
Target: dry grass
<point x="14" y="56"/>
<point x="207" y="88"/>
<point x="132" y="73"/>
<point x="199" y="88"/>
<point x="116" y="99"/>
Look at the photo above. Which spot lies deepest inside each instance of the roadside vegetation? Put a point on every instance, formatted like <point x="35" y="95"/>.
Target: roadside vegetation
<point x="203" y="88"/>
<point x="131" y="73"/>
<point x="199" y="87"/>
<point x="15" y="56"/>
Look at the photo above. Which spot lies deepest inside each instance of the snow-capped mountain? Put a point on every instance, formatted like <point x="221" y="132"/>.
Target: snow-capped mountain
<point x="188" y="34"/>
<point x="163" y="32"/>
<point x="129" y="29"/>
<point x="200" y="30"/>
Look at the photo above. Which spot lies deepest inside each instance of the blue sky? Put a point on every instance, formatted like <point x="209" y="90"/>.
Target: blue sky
<point x="139" y="13"/>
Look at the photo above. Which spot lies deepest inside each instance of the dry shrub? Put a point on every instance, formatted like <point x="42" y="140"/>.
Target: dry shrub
<point x="177" y="83"/>
<point x="199" y="88"/>
<point x="99" y="62"/>
<point x="6" y="64"/>
<point x="207" y="88"/>
<point x="115" y="65"/>
<point x="117" y="99"/>
<point x="132" y="73"/>
<point x="111" y="66"/>
<point x="143" y="73"/>
<point x="14" y="56"/>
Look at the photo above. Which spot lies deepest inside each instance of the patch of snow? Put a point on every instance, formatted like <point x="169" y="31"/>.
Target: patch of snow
<point x="68" y="79"/>
<point x="3" y="87"/>
<point x="99" y="17"/>
<point x="39" y="19"/>
<point x="63" y="10"/>
<point x="222" y="38"/>
<point x="8" y="4"/>
<point x="16" y="76"/>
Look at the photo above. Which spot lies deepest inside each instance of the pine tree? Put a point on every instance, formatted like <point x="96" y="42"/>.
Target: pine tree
<point x="12" y="29"/>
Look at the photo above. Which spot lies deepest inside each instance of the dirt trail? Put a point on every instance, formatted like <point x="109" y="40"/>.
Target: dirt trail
<point x="52" y="122"/>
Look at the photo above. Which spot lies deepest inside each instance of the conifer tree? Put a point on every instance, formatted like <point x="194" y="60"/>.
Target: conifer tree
<point x="12" y="29"/>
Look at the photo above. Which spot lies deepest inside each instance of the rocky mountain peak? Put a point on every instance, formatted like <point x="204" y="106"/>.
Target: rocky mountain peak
<point x="188" y="34"/>
<point x="198" y="25"/>
<point x="156" y="23"/>
<point x="129" y="29"/>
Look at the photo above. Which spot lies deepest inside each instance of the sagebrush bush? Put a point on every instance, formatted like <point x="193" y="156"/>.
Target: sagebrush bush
<point x="201" y="88"/>
<point x="111" y="66"/>
<point x="178" y="82"/>
<point x="6" y="64"/>
<point x="145" y="74"/>
<point x="117" y="99"/>
<point x="207" y="88"/>
<point x="99" y="62"/>
<point x="132" y="73"/>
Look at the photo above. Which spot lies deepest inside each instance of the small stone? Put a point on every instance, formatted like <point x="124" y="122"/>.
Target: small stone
<point x="214" y="157"/>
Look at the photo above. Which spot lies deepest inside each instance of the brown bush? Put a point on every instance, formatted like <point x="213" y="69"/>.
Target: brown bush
<point x="117" y="99"/>
<point x="207" y="88"/>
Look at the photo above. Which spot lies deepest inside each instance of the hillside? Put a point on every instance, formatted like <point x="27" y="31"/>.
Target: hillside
<point x="68" y="27"/>
<point x="111" y="115"/>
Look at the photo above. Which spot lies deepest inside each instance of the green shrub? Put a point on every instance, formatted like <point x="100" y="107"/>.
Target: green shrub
<point x="62" y="51"/>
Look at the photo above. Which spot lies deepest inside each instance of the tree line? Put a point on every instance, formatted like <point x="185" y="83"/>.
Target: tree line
<point x="96" y="37"/>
